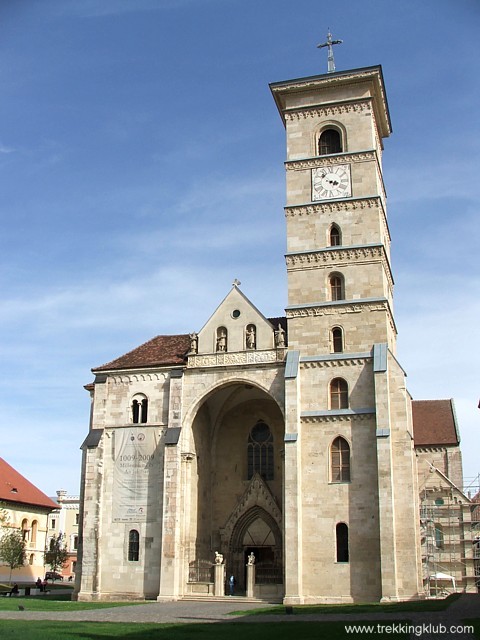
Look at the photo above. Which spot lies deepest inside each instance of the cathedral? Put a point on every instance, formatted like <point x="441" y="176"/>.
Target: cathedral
<point x="286" y="442"/>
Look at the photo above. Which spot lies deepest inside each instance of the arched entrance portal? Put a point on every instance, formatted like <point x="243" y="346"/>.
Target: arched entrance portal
<point x="236" y="481"/>
<point x="257" y="532"/>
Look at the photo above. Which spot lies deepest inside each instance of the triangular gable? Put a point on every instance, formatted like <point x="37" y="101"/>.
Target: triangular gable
<point x="436" y="479"/>
<point x="236" y="325"/>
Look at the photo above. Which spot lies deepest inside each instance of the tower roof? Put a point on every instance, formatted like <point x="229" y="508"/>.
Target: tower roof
<point x="324" y="81"/>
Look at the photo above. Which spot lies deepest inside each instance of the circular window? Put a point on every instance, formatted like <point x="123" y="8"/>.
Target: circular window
<point x="236" y="313"/>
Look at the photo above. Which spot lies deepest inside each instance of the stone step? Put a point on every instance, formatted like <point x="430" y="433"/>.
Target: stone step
<point x="239" y="599"/>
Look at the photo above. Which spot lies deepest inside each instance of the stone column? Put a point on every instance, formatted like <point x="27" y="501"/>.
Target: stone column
<point x="250" y="580"/>
<point x="219" y="579"/>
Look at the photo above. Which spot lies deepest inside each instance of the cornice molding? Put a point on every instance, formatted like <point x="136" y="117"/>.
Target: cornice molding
<point x="327" y="364"/>
<point x="335" y="416"/>
<point x="340" y="158"/>
<point x="331" y="109"/>
<point x="338" y="257"/>
<point x="128" y="378"/>
<point x="333" y="206"/>
<point x="340" y="307"/>
<point x="338" y="206"/>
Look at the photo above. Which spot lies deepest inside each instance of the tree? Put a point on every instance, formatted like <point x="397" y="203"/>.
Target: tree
<point x="12" y="550"/>
<point x="4" y="516"/>
<point x="57" y="555"/>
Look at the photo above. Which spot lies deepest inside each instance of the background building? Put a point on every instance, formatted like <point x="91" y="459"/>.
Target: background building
<point x="27" y="510"/>
<point x="64" y="520"/>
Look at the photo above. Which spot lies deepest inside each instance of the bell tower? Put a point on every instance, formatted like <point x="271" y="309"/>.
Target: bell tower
<point x="350" y="478"/>
<point x="338" y="242"/>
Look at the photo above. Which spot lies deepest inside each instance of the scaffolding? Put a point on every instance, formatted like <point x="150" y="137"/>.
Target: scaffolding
<point x="450" y="538"/>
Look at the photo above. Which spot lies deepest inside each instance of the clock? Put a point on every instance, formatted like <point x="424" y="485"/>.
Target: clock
<point x="331" y="182"/>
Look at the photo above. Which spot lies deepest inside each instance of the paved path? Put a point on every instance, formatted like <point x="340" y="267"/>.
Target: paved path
<point x="467" y="606"/>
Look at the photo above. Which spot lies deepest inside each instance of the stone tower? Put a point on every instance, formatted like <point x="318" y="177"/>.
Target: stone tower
<point x="349" y="460"/>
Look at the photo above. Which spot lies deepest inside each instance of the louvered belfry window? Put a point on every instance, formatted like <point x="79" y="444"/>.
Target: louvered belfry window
<point x="330" y="142"/>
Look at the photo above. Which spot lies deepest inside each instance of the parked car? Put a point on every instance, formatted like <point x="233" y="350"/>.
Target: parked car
<point x="53" y="575"/>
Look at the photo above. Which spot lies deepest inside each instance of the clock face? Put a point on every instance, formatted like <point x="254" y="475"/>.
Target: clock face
<point x="331" y="182"/>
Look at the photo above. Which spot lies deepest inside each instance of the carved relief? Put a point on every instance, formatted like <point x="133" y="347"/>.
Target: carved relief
<point x="239" y="358"/>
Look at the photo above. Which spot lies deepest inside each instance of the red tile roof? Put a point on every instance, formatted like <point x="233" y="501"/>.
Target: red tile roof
<point x="161" y="350"/>
<point x="15" y="488"/>
<point x="434" y="423"/>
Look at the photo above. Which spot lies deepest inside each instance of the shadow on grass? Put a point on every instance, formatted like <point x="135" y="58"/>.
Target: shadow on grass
<point x="375" y="607"/>
<point x="39" y="630"/>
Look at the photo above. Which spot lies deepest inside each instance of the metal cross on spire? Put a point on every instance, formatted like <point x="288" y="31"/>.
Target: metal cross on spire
<point x="329" y="43"/>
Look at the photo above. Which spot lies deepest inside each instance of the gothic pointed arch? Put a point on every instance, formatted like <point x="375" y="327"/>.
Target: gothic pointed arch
<point x="256" y="501"/>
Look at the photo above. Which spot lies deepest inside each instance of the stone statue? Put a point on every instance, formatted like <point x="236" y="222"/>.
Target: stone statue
<point x="222" y="340"/>
<point x="280" y="337"/>
<point x="250" y="336"/>
<point x="251" y="558"/>
<point x="193" y="342"/>
<point x="218" y="558"/>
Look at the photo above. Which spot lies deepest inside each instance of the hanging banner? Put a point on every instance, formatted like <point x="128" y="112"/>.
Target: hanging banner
<point x="136" y="481"/>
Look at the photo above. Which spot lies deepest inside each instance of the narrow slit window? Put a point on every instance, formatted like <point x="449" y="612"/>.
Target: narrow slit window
<point x="133" y="545"/>
<point x="342" y="542"/>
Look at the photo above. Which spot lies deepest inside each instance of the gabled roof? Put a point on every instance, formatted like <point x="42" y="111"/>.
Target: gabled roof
<point x="161" y="351"/>
<point x="434" y="423"/>
<point x="15" y="488"/>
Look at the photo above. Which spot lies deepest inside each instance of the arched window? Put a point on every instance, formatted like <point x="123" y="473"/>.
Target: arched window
<point x="33" y="535"/>
<point x="25" y="530"/>
<point x="341" y="531"/>
<point x="340" y="460"/>
<point x="337" y="287"/>
<point x="260" y="451"/>
<point x="338" y="394"/>
<point x="439" y="539"/>
<point x="221" y="342"/>
<point x="330" y="142"/>
<point x="133" y="545"/>
<point x="335" y="236"/>
<point x="139" y="409"/>
<point x="337" y="340"/>
<point x="31" y="559"/>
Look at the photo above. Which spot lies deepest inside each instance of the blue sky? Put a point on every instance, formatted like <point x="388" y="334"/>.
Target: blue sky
<point x="141" y="164"/>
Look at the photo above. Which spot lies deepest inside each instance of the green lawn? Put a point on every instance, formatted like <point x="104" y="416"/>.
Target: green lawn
<point x="375" y="607"/>
<point x="40" y="630"/>
<point x="61" y="602"/>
